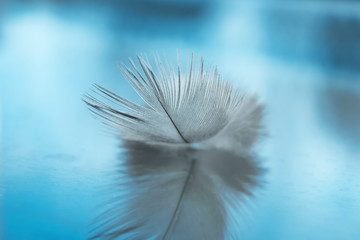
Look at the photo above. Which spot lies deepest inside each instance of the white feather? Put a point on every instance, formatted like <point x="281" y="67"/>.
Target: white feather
<point x="198" y="107"/>
<point x="188" y="153"/>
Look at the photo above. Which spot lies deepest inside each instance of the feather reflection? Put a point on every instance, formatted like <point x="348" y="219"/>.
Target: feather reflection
<point x="165" y="191"/>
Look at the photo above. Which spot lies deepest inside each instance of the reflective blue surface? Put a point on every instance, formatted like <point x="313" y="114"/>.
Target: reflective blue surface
<point x="302" y="61"/>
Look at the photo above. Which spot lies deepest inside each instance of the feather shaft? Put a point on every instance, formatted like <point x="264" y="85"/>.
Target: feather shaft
<point x="182" y="194"/>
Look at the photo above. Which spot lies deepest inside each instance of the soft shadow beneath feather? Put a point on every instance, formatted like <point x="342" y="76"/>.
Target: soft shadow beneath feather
<point x="164" y="191"/>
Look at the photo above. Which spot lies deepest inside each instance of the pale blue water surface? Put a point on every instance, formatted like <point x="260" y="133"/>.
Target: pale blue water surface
<point x="302" y="60"/>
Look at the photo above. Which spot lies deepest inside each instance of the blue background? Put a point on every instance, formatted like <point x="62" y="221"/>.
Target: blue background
<point x="302" y="58"/>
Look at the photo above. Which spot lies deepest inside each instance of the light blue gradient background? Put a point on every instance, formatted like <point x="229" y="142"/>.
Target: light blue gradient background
<point x="55" y="157"/>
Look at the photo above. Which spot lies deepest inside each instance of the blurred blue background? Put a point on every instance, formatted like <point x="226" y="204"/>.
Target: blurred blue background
<point x="301" y="57"/>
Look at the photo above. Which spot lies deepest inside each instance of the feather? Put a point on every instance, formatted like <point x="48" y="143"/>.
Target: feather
<point x="188" y="164"/>
<point x="175" y="192"/>
<point x="198" y="107"/>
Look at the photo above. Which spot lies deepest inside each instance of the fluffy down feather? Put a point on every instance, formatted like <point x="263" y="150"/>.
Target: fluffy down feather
<point x="188" y="164"/>
<point x="196" y="107"/>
